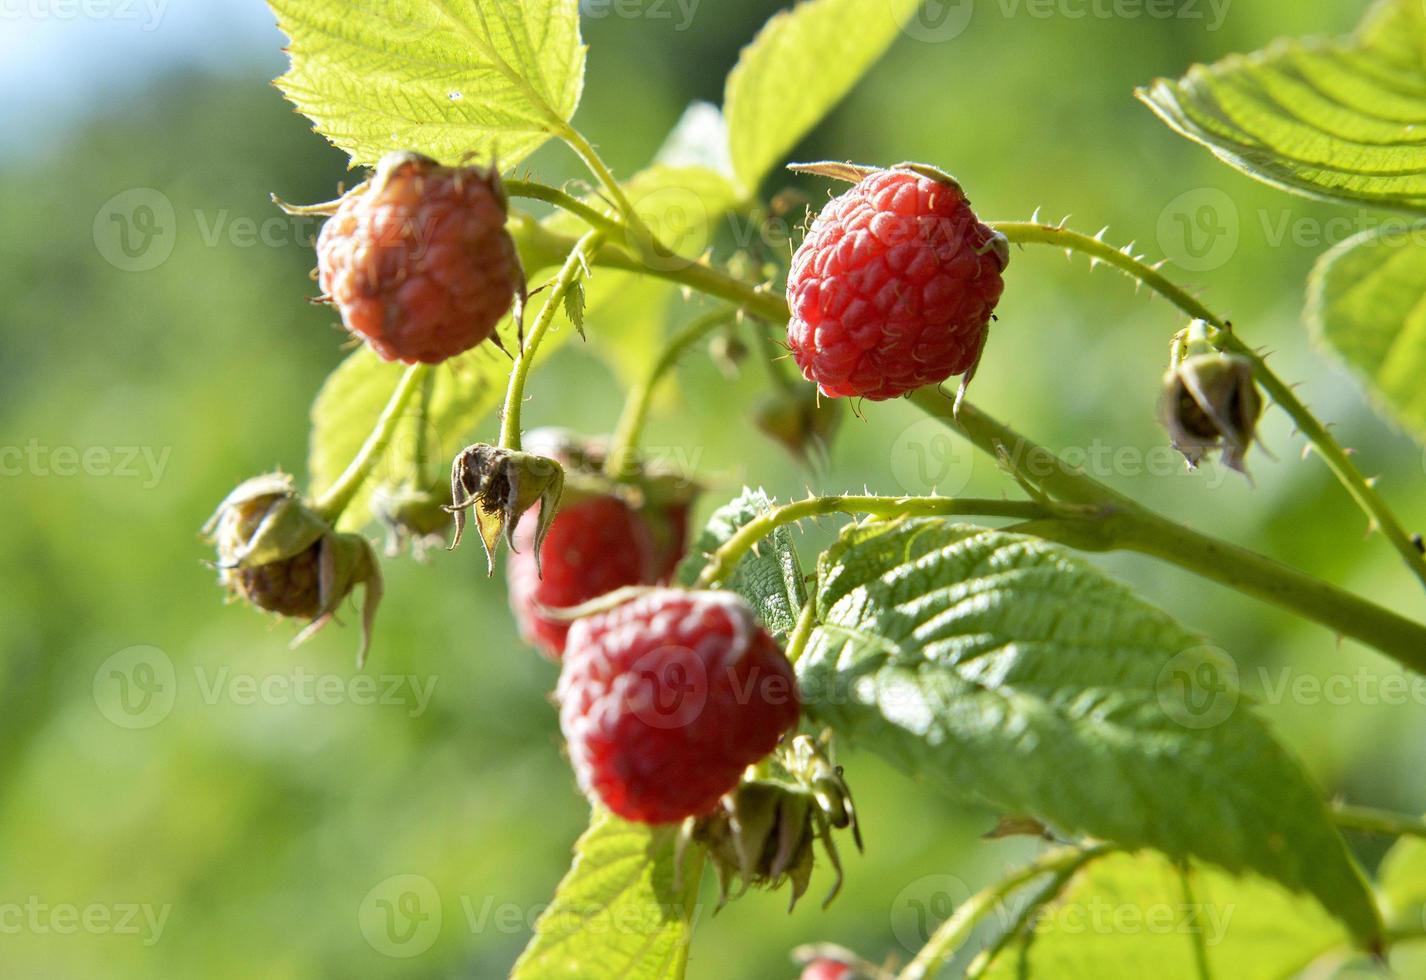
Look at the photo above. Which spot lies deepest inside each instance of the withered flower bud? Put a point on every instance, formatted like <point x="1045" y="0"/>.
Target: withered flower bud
<point x="275" y="552"/>
<point x="500" y="485"/>
<point x="763" y="831"/>
<point x="412" y="516"/>
<point x="1210" y="401"/>
<point x="800" y="421"/>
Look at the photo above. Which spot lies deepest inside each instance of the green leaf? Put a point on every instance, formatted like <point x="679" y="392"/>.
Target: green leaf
<point x="448" y="78"/>
<point x="1367" y="302"/>
<point x="621" y="911"/>
<point x="698" y="139"/>
<point x="1339" y="120"/>
<point x="1402" y="883"/>
<point x="800" y="65"/>
<point x="1139" y="915"/>
<point x="1010" y="673"/>
<point x="769" y="577"/>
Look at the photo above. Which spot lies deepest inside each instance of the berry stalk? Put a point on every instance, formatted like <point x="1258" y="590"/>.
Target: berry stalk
<point x="576" y="265"/>
<point x="623" y="447"/>
<point x="1223" y="337"/>
<point x="331" y="504"/>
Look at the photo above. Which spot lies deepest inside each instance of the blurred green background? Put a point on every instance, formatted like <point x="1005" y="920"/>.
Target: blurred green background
<point x="160" y="751"/>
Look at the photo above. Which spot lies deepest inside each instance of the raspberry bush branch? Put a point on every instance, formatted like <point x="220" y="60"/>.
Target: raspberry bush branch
<point x="1223" y="336"/>
<point x="726" y="558"/>
<point x="575" y="267"/>
<point x="1122" y="524"/>
<point x="331" y="503"/>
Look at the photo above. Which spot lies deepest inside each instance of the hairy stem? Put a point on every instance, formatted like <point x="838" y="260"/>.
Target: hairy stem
<point x="1122" y="524"/>
<point x="331" y="504"/>
<point x="955" y="930"/>
<point x="623" y="447"/>
<point x="1336" y="457"/>
<point x="726" y="558"/>
<point x="569" y="275"/>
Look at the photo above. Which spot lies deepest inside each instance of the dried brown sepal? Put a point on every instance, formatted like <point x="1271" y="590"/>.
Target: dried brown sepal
<point x="801" y="422"/>
<point x="763" y="832"/>
<point x="276" y="553"/>
<point x="499" y="485"/>
<point x="1210" y="402"/>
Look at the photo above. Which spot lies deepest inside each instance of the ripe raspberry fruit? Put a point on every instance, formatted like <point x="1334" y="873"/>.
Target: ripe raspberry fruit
<point x="594" y="546"/>
<point x="894" y="286"/>
<point x="827" y="970"/>
<point x="418" y="260"/>
<point x="666" y="699"/>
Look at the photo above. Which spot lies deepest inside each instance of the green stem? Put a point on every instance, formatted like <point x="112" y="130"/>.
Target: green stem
<point x="331" y="504"/>
<point x="623" y="446"/>
<point x="1332" y="453"/>
<point x="726" y="558"/>
<point x="586" y="152"/>
<point x="952" y="933"/>
<point x="535" y="191"/>
<point x="1122" y="524"/>
<point x="567" y="278"/>
<point x="1373" y="821"/>
<point x="1043" y="896"/>
<point x="802" y="630"/>
<point x="424" y="477"/>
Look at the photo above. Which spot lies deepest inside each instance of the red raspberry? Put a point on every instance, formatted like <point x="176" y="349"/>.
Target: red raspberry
<point x="666" y="699"/>
<point x="593" y="546"/>
<point x="418" y="260"/>
<point x="893" y="287"/>
<point x="827" y="970"/>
